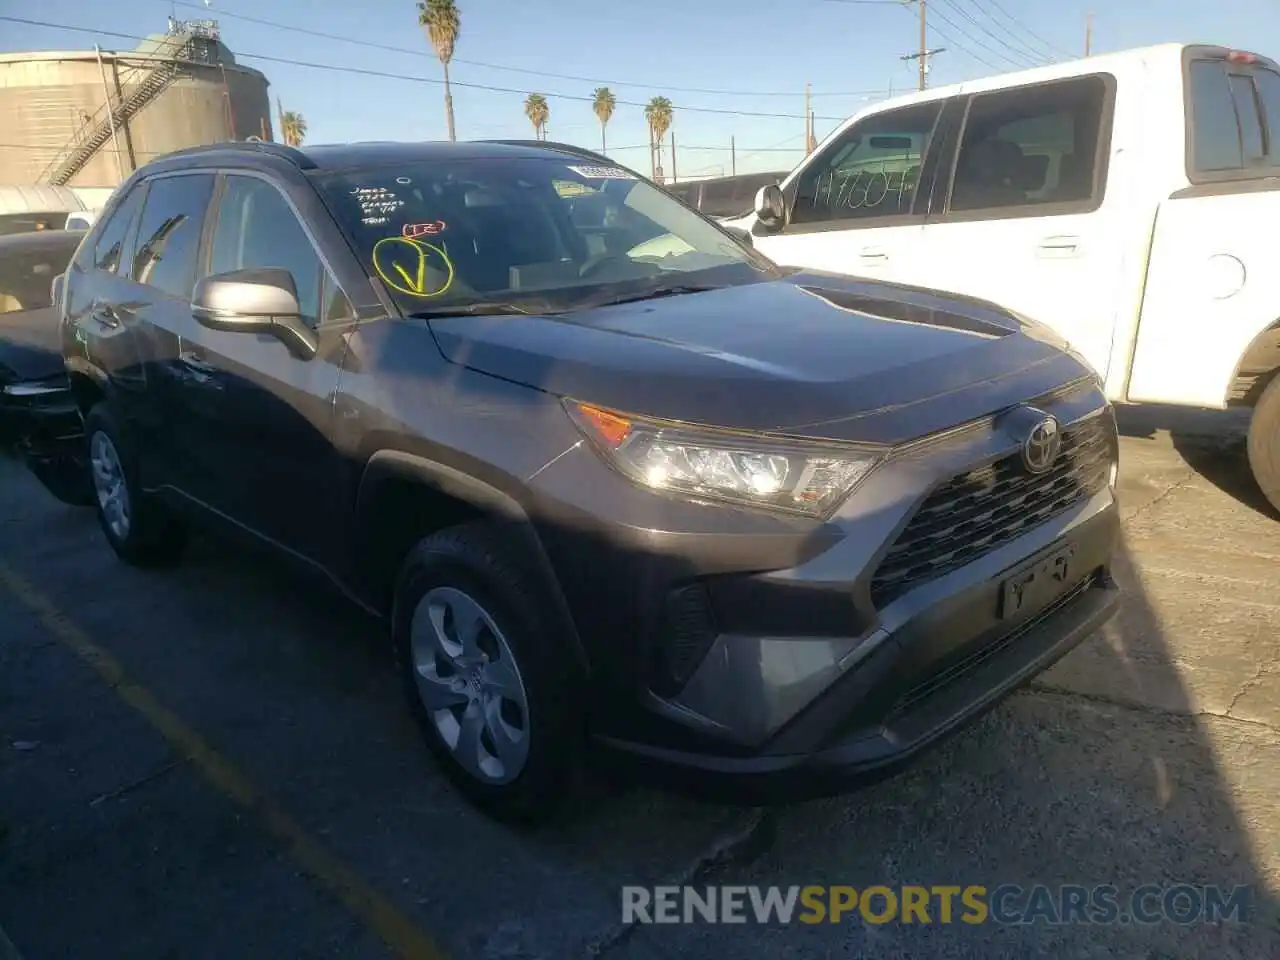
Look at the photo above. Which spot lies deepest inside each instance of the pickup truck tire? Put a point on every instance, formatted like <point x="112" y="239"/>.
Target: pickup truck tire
<point x="1264" y="442"/>
<point x="488" y="680"/>
<point x="139" y="528"/>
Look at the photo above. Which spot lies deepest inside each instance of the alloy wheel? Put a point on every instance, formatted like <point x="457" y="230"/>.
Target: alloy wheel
<point x="109" y="484"/>
<point x="470" y="684"/>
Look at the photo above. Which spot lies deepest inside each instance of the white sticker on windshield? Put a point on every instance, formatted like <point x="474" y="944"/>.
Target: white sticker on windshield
<point x="602" y="173"/>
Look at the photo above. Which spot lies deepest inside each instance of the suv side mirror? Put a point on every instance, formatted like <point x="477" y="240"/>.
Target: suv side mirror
<point x="261" y="300"/>
<point x="771" y="207"/>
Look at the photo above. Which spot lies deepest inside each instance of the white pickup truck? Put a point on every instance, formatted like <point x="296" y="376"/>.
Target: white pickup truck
<point x="1130" y="201"/>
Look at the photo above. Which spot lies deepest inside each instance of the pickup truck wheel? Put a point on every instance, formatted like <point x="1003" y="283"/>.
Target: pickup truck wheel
<point x="1264" y="442"/>
<point x="487" y="681"/>
<point x="137" y="526"/>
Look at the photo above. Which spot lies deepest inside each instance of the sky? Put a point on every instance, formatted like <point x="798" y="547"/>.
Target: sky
<point x="735" y="70"/>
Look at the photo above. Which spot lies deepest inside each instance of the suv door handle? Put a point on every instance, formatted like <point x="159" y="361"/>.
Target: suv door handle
<point x="1063" y="246"/>
<point x="873" y="253"/>
<point x="104" y="314"/>
<point x="195" y="363"/>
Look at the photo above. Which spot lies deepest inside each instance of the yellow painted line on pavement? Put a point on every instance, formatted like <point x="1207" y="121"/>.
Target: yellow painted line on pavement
<point x="378" y="913"/>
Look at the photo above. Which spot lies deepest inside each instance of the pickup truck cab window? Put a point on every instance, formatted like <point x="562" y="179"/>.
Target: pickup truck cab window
<point x="870" y="171"/>
<point x="1030" y="146"/>
<point x="256" y="227"/>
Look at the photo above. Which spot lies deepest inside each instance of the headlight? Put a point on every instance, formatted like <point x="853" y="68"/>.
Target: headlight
<point x="795" y="476"/>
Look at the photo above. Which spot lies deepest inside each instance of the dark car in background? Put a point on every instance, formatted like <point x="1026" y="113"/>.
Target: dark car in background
<point x="37" y="414"/>
<point x="607" y="473"/>
<point x="724" y="197"/>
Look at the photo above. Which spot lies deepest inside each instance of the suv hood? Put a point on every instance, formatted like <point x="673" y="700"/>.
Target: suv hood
<point x="815" y="355"/>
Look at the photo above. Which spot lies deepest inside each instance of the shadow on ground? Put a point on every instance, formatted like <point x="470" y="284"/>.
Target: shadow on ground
<point x="1212" y="442"/>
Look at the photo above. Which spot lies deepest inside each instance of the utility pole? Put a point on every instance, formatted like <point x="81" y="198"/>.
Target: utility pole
<point x="674" y="177"/>
<point x="924" y="46"/>
<point x="733" y="156"/>
<point x="1088" y="34"/>
<point x="808" y="110"/>
<point x="111" y="114"/>
<point x="922" y="55"/>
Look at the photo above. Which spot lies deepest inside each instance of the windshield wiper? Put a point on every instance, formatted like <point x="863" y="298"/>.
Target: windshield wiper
<point x="495" y="309"/>
<point x="671" y="291"/>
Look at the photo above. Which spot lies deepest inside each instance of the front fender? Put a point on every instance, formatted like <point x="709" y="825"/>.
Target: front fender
<point x="387" y="465"/>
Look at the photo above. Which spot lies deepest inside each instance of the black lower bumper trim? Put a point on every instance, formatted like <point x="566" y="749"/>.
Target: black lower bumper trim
<point x="919" y="721"/>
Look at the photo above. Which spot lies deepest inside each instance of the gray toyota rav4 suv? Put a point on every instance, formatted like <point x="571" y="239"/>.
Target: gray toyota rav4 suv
<point x="611" y="477"/>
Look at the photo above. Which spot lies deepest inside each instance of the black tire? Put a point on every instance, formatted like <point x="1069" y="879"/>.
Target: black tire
<point x="67" y="479"/>
<point x="476" y="559"/>
<point x="1264" y="442"/>
<point x="154" y="537"/>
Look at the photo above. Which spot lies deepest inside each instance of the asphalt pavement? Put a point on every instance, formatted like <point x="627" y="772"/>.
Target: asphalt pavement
<point x="214" y="761"/>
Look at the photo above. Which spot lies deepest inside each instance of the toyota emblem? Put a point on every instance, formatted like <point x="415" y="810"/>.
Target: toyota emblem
<point x="1041" y="448"/>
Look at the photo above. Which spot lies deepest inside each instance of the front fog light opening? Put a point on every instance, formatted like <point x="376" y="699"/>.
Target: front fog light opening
<point x="794" y="476"/>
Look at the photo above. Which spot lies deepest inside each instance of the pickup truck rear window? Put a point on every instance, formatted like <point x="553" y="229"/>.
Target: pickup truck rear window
<point x="1233" y="117"/>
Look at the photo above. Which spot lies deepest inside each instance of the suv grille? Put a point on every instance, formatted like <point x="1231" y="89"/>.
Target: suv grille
<point x="988" y="506"/>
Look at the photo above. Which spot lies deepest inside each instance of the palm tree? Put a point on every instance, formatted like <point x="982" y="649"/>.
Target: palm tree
<point x="603" y="103"/>
<point x="538" y="112"/>
<point x="442" y="22"/>
<point x="293" y="127"/>
<point x="658" y="113"/>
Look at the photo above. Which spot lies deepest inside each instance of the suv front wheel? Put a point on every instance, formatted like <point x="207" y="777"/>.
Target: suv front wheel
<point x="137" y="526"/>
<point x="486" y="680"/>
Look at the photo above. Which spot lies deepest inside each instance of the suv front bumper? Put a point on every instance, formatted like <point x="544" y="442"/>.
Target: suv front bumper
<point x="946" y="663"/>
<point x="770" y="650"/>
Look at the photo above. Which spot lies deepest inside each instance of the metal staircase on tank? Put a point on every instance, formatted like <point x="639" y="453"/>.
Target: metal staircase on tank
<point x="178" y="50"/>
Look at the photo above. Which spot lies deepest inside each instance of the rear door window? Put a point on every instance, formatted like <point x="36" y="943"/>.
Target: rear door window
<point x="106" y="252"/>
<point x="1031" y="147"/>
<point x="169" y="233"/>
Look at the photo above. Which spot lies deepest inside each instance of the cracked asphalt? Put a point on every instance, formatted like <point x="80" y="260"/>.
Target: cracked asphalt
<point x="214" y="761"/>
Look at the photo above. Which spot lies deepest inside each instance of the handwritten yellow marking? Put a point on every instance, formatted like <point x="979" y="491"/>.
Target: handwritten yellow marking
<point x="397" y="931"/>
<point x="412" y="286"/>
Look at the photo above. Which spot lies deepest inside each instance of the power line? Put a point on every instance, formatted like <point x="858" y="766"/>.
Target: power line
<point x="429" y="80"/>
<point x="1028" y="31"/>
<point x="1019" y="57"/>
<point x="975" y="40"/>
<point x="1021" y="45"/>
<point x="409" y="51"/>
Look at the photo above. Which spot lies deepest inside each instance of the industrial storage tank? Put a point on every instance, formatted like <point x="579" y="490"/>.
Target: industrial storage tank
<point x="90" y="118"/>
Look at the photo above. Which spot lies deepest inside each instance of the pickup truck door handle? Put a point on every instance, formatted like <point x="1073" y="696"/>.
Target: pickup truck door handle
<point x="873" y="253"/>
<point x="1058" y="247"/>
<point x="197" y="364"/>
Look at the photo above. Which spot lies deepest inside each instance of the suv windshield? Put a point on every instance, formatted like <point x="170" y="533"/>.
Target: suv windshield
<point x="540" y="234"/>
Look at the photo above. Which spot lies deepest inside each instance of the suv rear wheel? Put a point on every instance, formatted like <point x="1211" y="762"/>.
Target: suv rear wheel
<point x="137" y="526"/>
<point x="489" y="685"/>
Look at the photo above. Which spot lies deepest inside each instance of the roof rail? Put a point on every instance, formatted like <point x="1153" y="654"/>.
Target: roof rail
<point x="271" y="148"/>
<point x="569" y="148"/>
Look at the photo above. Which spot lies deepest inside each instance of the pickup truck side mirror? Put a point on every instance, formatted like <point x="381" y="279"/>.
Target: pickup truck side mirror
<point x="771" y="207"/>
<point x="260" y="300"/>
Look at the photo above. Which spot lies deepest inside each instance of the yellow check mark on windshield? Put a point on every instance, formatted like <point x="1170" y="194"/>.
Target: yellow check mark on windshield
<point x="419" y="285"/>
